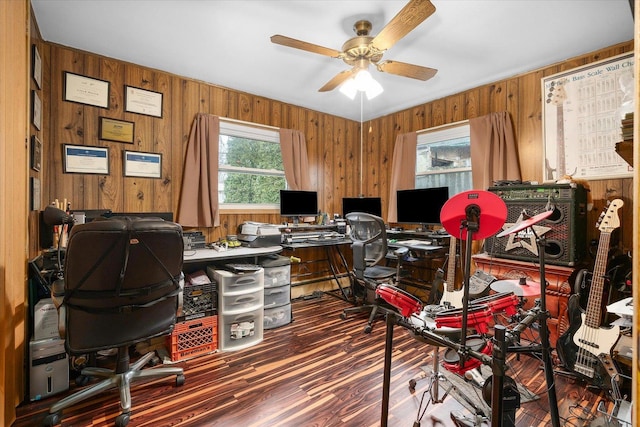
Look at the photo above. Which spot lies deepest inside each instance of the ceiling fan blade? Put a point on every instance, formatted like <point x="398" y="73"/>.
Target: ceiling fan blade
<point x="309" y="47"/>
<point x="406" y="20"/>
<point x="336" y="81"/>
<point x="406" y="70"/>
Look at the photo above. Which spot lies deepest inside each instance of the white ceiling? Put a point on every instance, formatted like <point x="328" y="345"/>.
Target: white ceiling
<point x="470" y="42"/>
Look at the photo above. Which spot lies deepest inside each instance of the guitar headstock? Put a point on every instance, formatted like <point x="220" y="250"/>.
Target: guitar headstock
<point x="609" y="220"/>
<point x="556" y="93"/>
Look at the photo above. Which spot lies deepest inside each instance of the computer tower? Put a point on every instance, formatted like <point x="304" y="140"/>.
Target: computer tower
<point x="49" y="368"/>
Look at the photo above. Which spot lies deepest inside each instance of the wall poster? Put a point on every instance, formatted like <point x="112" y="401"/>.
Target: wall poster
<point x="582" y="110"/>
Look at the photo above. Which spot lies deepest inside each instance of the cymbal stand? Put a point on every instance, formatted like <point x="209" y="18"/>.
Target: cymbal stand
<point x="433" y="389"/>
<point x="541" y="314"/>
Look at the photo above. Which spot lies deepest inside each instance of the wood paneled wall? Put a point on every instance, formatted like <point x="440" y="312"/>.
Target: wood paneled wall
<point x="333" y="142"/>
<point x="14" y="119"/>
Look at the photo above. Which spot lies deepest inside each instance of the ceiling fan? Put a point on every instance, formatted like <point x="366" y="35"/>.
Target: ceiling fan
<point x="361" y="51"/>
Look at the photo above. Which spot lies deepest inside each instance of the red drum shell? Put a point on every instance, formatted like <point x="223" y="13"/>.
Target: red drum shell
<point x="451" y="360"/>
<point x="503" y="301"/>
<point x="406" y="303"/>
<point x="478" y="318"/>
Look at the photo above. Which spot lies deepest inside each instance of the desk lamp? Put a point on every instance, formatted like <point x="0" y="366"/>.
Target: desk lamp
<point x="55" y="217"/>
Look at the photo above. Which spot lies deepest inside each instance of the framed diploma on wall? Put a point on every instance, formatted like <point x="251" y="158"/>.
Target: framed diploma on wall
<point x="144" y="165"/>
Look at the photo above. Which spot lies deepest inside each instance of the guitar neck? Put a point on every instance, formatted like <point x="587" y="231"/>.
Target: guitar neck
<point x="594" y="304"/>
<point x="451" y="267"/>
<point x="560" y="142"/>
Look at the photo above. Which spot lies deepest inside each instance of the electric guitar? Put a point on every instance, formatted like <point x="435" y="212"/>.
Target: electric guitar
<point x="585" y="348"/>
<point x="451" y="296"/>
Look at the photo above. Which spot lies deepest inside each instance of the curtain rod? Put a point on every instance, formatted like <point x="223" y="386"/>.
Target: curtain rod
<point x="441" y="127"/>
<point x="257" y="125"/>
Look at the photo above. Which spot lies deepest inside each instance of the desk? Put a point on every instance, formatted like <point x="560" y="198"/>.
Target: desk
<point x="332" y="251"/>
<point x="211" y="255"/>
<point x="425" y="258"/>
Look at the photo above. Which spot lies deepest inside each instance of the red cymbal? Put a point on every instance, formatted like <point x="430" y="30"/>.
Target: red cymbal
<point x="525" y="223"/>
<point x="490" y="209"/>
<point x="527" y="289"/>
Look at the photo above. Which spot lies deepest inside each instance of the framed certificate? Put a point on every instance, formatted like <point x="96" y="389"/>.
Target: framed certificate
<point x="145" y="165"/>
<point x="36" y="153"/>
<point x="86" y="90"/>
<point x="36" y="110"/>
<point x="116" y="130"/>
<point x="142" y="101"/>
<point x="37" y="67"/>
<point x="84" y="159"/>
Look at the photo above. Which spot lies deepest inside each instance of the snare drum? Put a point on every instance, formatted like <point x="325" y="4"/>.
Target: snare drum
<point x="425" y="321"/>
<point x="478" y="318"/>
<point x="406" y="303"/>
<point x="451" y="359"/>
<point x="503" y="301"/>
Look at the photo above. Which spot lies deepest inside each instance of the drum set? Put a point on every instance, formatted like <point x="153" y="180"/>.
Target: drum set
<point x="465" y="331"/>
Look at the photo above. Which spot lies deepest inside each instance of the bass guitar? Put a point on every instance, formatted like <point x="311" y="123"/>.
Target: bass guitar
<point x="585" y="348"/>
<point x="450" y="296"/>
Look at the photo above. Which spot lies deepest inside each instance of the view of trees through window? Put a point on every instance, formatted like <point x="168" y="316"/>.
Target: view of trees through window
<point x="250" y="171"/>
<point x="443" y="159"/>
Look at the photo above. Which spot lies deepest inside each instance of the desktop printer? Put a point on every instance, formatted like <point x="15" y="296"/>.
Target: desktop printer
<point x="255" y="235"/>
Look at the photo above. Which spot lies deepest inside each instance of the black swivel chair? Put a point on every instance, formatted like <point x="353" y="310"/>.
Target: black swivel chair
<point x="121" y="284"/>
<point x="369" y="246"/>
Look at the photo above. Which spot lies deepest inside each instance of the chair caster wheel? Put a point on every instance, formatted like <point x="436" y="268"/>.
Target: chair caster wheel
<point x="343" y="316"/>
<point x="82" y="380"/>
<point x="179" y="380"/>
<point x="367" y="329"/>
<point x="122" y="420"/>
<point x="412" y="386"/>
<point x="51" y="420"/>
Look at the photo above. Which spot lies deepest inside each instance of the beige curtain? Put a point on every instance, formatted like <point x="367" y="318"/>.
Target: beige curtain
<point x="403" y="170"/>
<point x="494" y="154"/>
<point x="198" y="205"/>
<point x="294" y="158"/>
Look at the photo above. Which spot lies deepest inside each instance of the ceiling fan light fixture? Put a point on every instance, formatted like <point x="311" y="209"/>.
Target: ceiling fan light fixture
<point x="349" y="88"/>
<point x="363" y="82"/>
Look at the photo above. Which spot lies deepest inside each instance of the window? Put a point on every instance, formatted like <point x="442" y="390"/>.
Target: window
<point x="250" y="173"/>
<point x="443" y="159"/>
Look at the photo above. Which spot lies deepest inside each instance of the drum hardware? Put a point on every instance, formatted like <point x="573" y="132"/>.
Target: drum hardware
<point x="481" y="214"/>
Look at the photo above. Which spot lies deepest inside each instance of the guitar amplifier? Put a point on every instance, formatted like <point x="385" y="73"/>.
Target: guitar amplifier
<point x="565" y="230"/>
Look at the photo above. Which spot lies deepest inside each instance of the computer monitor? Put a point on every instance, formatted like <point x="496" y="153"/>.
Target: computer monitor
<point x="421" y="205"/>
<point x="370" y="205"/>
<point x="298" y="203"/>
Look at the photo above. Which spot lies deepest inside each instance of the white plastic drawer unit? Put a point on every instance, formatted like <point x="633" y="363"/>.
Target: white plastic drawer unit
<point x="277" y="276"/>
<point x="239" y="303"/>
<point x="237" y="283"/>
<point x="241" y="330"/>
<point x="274" y="297"/>
<point x="277" y="316"/>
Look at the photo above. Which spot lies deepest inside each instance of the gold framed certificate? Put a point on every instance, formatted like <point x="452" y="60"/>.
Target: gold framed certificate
<point x="116" y="130"/>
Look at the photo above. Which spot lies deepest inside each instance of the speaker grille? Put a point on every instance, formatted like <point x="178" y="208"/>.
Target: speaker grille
<point x="564" y="231"/>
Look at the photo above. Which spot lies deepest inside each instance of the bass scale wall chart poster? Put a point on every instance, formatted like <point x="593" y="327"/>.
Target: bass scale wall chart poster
<point x="582" y="112"/>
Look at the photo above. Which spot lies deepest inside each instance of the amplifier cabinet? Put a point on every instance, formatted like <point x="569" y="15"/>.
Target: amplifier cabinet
<point x="565" y="230"/>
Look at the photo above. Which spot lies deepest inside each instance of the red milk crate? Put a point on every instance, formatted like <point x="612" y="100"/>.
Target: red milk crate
<point x="193" y="338"/>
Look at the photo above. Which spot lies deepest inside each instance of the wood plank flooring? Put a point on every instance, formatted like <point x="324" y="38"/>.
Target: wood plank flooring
<point x="317" y="371"/>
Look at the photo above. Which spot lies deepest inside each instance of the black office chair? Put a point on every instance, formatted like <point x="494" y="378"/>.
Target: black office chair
<point x="121" y="284"/>
<point x="369" y="250"/>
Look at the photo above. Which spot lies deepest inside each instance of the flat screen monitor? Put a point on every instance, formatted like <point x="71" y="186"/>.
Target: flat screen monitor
<point x="421" y="205"/>
<point x="370" y="205"/>
<point x="298" y="203"/>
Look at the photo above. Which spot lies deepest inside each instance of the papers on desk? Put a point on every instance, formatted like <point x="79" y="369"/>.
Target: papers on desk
<point x="414" y="242"/>
<point x="259" y="229"/>
<point x="622" y="308"/>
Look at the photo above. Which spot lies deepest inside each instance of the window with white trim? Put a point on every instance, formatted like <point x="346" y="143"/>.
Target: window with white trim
<point x="250" y="169"/>
<point x="443" y="158"/>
